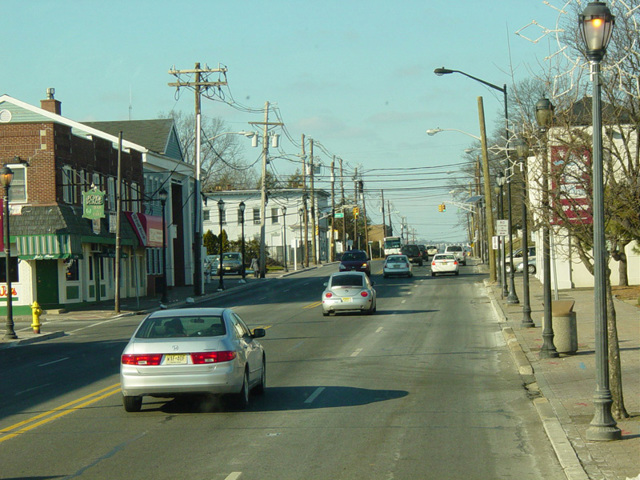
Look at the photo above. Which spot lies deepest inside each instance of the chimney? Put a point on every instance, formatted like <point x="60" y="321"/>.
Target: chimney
<point x="51" y="104"/>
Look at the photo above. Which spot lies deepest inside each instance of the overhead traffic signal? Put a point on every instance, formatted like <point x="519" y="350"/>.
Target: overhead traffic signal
<point x="442" y="207"/>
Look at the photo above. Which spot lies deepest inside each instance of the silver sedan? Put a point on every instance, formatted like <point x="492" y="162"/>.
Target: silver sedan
<point x="349" y="291"/>
<point x="397" y="265"/>
<point x="192" y="351"/>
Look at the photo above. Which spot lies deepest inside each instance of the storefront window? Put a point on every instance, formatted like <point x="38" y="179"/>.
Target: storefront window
<point x="13" y="268"/>
<point x="73" y="270"/>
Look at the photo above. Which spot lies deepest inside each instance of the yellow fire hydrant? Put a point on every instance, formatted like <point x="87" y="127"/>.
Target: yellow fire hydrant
<point x="36" y="311"/>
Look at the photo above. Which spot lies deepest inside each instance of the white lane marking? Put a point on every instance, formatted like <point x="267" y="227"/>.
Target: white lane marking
<point x="55" y="361"/>
<point x="31" y="389"/>
<point x="314" y="395"/>
<point x="356" y="353"/>
<point x="233" y="476"/>
<point x="404" y="301"/>
<point x="297" y="345"/>
<point x="96" y="324"/>
<point x="379" y="329"/>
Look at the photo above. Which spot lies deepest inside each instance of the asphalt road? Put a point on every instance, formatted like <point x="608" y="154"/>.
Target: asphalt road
<point x="426" y="388"/>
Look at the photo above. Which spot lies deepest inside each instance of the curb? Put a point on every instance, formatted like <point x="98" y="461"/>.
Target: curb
<point x="561" y="445"/>
<point x="29" y="340"/>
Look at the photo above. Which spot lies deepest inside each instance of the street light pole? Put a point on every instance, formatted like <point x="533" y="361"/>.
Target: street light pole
<point x="284" y="246"/>
<point x="523" y="153"/>
<point x="503" y="89"/>
<point x="512" y="299"/>
<point x="220" y="214"/>
<point x="544" y="117"/>
<point x="242" y="207"/>
<point x="163" y="195"/>
<point x="500" y="180"/>
<point x="596" y="25"/>
<point x="6" y="175"/>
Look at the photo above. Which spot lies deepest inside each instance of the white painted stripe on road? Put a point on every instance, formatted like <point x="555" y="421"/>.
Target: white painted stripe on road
<point x="297" y="345"/>
<point x="314" y="395"/>
<point x="31" y="389"/>
<point x="379" y="329"/>
<point x="404" y="301"/>
<point x="356" y="353"/>
<point x="233" y="476"/>
<point x="55" y="361"/>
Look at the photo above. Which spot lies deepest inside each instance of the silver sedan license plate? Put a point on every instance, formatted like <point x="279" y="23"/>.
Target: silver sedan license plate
<point x="176" y="359"/>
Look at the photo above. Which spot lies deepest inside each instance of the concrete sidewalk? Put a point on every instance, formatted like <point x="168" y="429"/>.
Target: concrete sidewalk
<point x="563" y="387"/>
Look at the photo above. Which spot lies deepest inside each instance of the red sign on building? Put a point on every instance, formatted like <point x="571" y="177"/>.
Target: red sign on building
<point x="571" y="185"/>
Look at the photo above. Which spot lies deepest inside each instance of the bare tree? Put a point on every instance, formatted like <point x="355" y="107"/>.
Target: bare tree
<point x="222" y="163"/>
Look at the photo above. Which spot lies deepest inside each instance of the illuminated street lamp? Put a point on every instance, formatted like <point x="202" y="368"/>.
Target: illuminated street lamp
<point x="163" y="195"/>
<point x="221" y="213"/>
<point x="6" y="175"/>
<point x="596" y="25"/>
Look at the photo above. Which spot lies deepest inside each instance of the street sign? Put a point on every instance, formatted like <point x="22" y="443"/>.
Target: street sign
<point x="502" y="228"/>
<point x="339" y="215"/>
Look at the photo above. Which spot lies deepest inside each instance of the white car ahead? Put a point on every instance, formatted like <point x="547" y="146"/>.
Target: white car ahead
<point x="444" y="263"/>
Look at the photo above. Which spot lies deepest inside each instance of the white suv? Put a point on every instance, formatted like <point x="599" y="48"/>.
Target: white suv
<point x="458" y="251"/>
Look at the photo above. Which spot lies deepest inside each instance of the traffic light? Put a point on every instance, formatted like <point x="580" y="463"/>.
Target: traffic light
<point x="356" y="211"/>
<point x="441" y="207"/>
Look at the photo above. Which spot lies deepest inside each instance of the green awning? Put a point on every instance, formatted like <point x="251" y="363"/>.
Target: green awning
<point x="48" y="247"/>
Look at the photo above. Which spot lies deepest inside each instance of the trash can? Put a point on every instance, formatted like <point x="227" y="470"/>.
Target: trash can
<point x="565" y="331"/>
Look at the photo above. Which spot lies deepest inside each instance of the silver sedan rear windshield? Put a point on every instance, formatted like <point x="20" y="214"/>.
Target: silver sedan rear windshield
<point x="174" y="327"/>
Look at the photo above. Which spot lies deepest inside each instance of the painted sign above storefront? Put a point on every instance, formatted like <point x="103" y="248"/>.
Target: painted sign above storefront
<point x="93" y="204"/>
<point x="148" y="228"/>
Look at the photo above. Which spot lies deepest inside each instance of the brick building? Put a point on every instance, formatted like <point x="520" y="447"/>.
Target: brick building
<point x="57" y="256"/>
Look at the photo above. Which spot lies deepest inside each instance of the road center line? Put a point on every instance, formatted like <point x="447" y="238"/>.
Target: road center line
<point x="314" y="395"/>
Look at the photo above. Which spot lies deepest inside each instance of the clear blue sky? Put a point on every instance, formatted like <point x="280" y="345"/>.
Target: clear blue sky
<point x="356" y="76"/>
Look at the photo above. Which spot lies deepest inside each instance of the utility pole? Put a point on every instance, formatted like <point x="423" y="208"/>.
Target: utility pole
<point x="344" y="213"/>
<point x="364" y="216"/>
<point x="314" y="244"/>
<point x="355" y="209"/>
<point x="263" y="189"/>
<point x="332" y="245"/>
<point x="384" y="221"/>
<point x="304" y="201"/>
<point x="487" y="192"/>
<point x="198" y="279"/>
<point x="390" y="225"/>
<point x="118" y="210"/>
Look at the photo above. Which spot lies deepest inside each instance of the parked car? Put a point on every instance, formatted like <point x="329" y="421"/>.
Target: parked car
<point x="192" y="351"/>
<point x="458" y="252"/>
<point x="413" y="253"/>
<point x="532" y="266"/>
<point x="357" y="260"/>
<point x="348" y="291"/>
<point x="432" y="249"/>
<point x="397" y="265"/>
<point x="444" y="263"/>
<point x="517" y="257"/>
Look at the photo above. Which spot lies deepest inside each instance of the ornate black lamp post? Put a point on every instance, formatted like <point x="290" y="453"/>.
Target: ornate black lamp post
<point x="284" y="223"/>
<point x="500" y="180"/>
<point x="544" y="117"/>
<point x="513" y="296"/>
<point x="163" y="195"/>
<point x="522" y="149"/>
<point x="242" y="207"/>
<point x="6" y="175"/>
<point x="596" y="25"/>
<point x="221" y="213"/>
